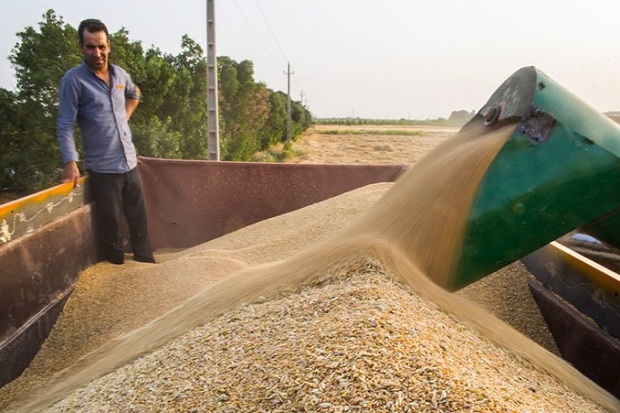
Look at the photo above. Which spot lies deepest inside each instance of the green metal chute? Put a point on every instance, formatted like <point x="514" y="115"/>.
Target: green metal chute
<point x="559" y="170"/>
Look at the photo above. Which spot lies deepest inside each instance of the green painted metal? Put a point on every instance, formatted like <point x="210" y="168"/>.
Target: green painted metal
<point x="559" y="170"/>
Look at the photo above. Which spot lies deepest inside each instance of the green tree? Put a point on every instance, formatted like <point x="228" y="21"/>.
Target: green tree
<point x="274" y="130"/>
<point x="244" y="109"/>
<point x="40" y="60"/>
<point x="11" y="141"/>
<point x="170" y="122"/>
<point x="460" y="117"/>
<point x="156" y="138"/>
<point x="151" y="125"/>
<point x="301" y="119"/>
<point x="191" y="99"/>
<point x="128" y="54"/>
<point x="173" y="91"/>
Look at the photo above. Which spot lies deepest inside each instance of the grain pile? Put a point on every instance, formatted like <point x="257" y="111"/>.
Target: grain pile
<point x="349" y="323"/>
<point x="110" y="300"/>
<point x="356" y="342"/>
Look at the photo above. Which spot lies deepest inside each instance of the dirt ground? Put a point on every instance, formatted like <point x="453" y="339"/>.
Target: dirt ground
<point x="367" y="144"/>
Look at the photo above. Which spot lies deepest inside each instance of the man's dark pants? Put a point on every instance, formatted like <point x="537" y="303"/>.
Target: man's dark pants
<point x="115" y="195"/>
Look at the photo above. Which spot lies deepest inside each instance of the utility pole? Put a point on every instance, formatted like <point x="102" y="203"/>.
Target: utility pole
<point x="212" y="108"/>
<point x="288" y="73"/>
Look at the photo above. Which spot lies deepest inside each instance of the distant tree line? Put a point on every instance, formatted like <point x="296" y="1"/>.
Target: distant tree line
<point x="171" y="121"/>
<point x="457" y="118"/>
<point x="461" y="116"/>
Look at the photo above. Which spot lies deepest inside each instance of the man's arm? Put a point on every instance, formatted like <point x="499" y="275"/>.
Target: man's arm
<point x="67" y="114"/>
<point x="131" y="101"/>
<point x="130" y="106"/>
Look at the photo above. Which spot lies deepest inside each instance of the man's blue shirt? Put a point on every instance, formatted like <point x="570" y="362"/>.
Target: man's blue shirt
<point x="100" y="113"/>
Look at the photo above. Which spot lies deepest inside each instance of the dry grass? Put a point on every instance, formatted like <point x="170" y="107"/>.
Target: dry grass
<point x="370" y="144"/>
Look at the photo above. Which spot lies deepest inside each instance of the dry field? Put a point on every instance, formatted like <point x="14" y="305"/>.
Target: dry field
<point x="368" y="144"/>
<point x="307" y="312"/>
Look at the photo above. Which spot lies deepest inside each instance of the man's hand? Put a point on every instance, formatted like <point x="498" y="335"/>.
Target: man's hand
<point x="71" y="173"/>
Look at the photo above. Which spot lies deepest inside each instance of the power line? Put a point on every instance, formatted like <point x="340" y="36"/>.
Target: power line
<point x="275" y="40"/>
<point x="252" y="30"/>
<point x="273" y="36"/>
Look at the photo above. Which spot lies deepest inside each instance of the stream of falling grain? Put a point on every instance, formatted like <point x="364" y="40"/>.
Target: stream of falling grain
<point x="414" y="231"/>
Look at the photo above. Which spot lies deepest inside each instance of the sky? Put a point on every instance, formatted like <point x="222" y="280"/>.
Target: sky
<point x="388" y="59"/>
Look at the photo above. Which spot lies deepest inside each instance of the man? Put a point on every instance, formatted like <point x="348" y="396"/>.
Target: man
<point x="101" y="97"/>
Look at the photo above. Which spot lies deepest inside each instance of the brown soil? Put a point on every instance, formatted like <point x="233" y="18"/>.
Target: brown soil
<point x="368" y="144"/>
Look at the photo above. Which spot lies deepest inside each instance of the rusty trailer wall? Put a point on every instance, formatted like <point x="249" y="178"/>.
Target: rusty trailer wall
<point x="37" y="274"/>
<point x="48" y="238"/>
<point x="191" y="202"/>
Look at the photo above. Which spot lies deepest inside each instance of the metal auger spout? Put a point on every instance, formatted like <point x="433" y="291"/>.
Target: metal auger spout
<point x="558" y="171"/>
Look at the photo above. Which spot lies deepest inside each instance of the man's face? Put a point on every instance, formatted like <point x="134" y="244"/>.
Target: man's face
<point x="95" y="50"/>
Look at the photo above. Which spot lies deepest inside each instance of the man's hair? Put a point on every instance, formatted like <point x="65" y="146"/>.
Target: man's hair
<point x="93" y="26"/>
